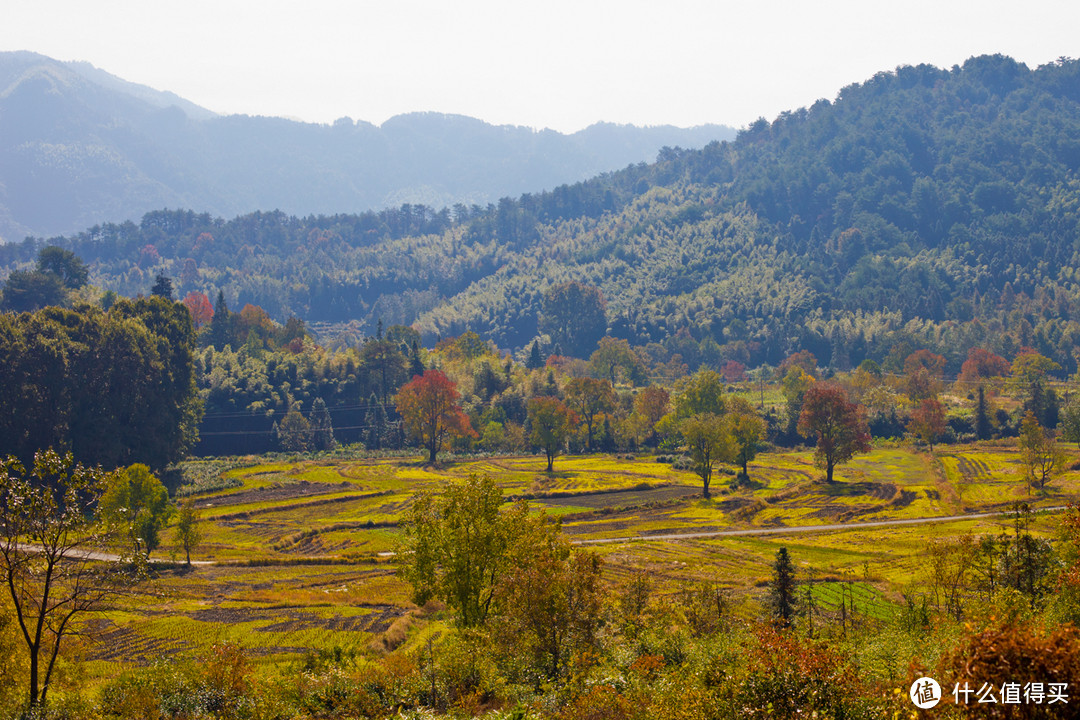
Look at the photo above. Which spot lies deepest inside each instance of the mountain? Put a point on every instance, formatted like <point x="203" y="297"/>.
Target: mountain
<point x="924" y="207"/>
<point x="79" y="146"/>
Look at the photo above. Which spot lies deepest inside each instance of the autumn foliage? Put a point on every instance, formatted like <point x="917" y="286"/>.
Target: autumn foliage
<point x="428" y="405"/>
<point x="200" y="308"/>
<point x="839" y="425"/>
<point x="1019" y="654"/>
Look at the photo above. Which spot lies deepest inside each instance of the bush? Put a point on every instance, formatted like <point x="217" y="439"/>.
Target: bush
<point x="1019" y="653"/>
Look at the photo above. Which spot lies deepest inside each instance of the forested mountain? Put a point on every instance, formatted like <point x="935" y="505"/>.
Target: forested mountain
<point x="928" y="207"/>
<point x="79" y="146"/>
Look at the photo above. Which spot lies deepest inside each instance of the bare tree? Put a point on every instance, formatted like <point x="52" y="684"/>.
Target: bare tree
<point x="48" y="562"/>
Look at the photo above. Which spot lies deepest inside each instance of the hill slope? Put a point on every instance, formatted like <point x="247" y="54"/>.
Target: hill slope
<point x="932" y="207"/>
<point x="79" y="146"/>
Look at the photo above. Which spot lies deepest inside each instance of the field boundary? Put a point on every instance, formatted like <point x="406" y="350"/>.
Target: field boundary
<point x="803" y="529"/>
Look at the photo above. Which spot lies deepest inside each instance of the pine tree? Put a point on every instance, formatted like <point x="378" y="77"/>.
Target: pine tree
<point x="322" y="431"/>
<point x="783" y="599"/>
<point x="221" y="324"/>
<point x="535" y="360"/>
<point x="162" y="287"/>
<point x="375" y="422"/>
<point x="416" y="363"/>
<point x="982" y="418"/>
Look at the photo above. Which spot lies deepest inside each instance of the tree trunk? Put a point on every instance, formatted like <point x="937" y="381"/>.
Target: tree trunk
<point x="828" y="471"/>
<point x="33" y="677"/>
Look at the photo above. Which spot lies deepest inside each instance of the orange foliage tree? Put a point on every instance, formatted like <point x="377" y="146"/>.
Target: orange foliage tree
<point x="428" y="404"/>
<point x="923" y="370"/>
<point x="200" y="308"/>
<point x="982" y="364"/>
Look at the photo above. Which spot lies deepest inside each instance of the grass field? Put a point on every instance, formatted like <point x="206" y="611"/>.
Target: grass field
<point x="302" y="550"/>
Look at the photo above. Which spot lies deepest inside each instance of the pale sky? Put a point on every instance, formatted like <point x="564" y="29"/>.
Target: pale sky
<point x="562" y="64"/>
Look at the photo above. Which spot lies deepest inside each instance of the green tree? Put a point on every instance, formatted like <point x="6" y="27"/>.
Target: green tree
<point x="1070" y="422"/>
<point x="551" y="423"/>
<point x="375" y="423"/>
<point x="47" y="536"/>
<point x="457" y="547"/>
<point x="222" y="324"/>
<point x="187" y="534"/>
<point x="136" y="502"/>
<point x="64" y="264"/>
<point x="163" y="287"/>
<point x="702" y="392"/>
<point x="746" y="432"/>
<point x="1040" y="456"/>
<point x="384" y="365"/>
<point x="982" y="416"/>
<point x="114" y="387"/>
<point x="416" y="363"/>
<point x="550" y="602"/>
<point x="1030" y="378"/>
<point x="613" y="355"/>
<point x="29" y="290"/>
<point x="838" y="424"/>
<point x="322" y="430"/>
<point x="707" y="443"/>
<point x="535" y="361"/>
<point x="782" y="599"/>
<point x="589" y="398"/>
<point x="294" y="431"/>
<point x="793" y="387"/>
<point x="575" y="315"/>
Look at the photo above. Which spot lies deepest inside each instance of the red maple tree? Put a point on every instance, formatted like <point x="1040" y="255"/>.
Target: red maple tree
<point x="428" y="404"/>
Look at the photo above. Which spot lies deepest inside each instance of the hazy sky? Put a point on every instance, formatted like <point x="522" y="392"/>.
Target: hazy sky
<point x="545" y="63"/>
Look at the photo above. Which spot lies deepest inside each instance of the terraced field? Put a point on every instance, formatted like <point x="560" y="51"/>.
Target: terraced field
<point x="303" y="550"/>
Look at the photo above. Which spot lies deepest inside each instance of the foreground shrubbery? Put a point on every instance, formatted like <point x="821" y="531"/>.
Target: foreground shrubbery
<point x="644" y="668"/>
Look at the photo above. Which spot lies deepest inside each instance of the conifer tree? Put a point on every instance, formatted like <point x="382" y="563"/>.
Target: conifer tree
<point x="375" y="423"/>
<point x="322" y="431"/>
<point x="782" y="600"/>
<point x="982" y="418"/>
<point x="535" y="360"/>
<point x="416" y="363"/>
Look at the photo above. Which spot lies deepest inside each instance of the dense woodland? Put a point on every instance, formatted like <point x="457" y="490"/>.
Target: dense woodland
<point x="928" y="206"/>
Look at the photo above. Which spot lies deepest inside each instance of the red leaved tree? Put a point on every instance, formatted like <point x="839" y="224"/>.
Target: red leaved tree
<point x="428" y="404"/>
<point x="839" y="425"/>
<point x="200" y="308"/>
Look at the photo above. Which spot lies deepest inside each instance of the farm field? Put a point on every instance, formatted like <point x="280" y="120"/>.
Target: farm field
<point x="297" y="555"/>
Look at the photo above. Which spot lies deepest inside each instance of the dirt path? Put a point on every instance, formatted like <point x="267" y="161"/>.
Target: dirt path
<point x="102" y="556"/>
<point x="803" y="529"/>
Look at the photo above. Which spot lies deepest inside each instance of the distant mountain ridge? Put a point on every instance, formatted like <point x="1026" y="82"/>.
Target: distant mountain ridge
<point x="79" y="146"/>
<point x="923" y="208"/>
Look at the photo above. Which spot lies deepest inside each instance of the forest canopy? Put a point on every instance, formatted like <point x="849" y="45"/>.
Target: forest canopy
<point x="936" y="207"/>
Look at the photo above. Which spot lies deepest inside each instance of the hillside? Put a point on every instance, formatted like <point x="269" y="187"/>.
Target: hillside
<point x="936" y="208"/>
<point x="79" y="146"/>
